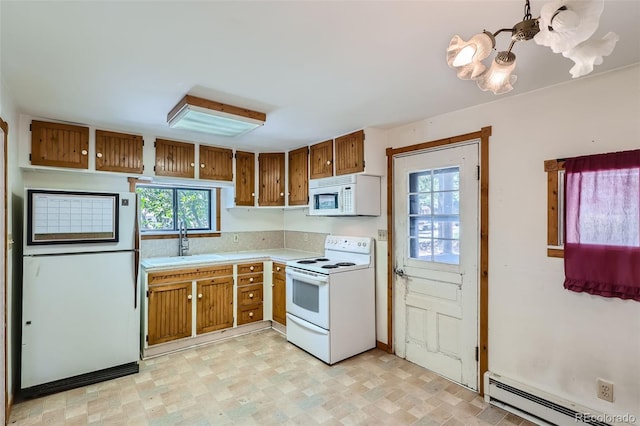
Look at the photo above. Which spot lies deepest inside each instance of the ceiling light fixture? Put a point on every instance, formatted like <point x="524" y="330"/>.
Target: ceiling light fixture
<point x="203" y="115"/>
<point x="565" y="26"/>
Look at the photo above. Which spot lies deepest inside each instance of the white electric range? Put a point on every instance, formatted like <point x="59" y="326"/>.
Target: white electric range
<point x="331" y="300"/>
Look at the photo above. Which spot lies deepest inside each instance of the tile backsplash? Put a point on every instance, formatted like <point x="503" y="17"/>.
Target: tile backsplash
<point x="246" y="241"/>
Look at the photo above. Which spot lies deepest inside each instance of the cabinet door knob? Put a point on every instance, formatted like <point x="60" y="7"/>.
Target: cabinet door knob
<point x="328" y="162"/>
<point x="99" y="155"/>
<point x="199" y="295"/>
<point x="253" y="194"/>
<point x="202" y="166"/>
<point x="84" y="152"/>
<point x="250" y="295"/>
<point x="277" y="268"/>
<point x="282" y="194"/>
<point x="251" y="269"/>
<point x="189" y="297"/>
<point x="193" y="164"/>
<point x="251" y="314"/>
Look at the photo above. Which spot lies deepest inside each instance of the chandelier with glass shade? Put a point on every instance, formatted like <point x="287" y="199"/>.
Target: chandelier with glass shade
<point x="565" y="26"/>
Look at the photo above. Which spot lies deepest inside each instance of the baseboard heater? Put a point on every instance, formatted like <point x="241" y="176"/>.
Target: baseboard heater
<point x="80" y="380"/>
<point x="536" y="405"/>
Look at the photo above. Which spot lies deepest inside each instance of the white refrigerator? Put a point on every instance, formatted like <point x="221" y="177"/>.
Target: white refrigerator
<point x="80" y="313"/>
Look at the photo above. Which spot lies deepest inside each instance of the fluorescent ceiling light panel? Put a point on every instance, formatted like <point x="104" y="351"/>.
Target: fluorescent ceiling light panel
<point x="202" y="115"/>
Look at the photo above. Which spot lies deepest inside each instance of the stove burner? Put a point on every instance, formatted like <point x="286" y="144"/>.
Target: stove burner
<point x="329" y="266"/>
<point x="306" y="262"/>
<point x="346" y="264"/>
<point x="322" y="259"/>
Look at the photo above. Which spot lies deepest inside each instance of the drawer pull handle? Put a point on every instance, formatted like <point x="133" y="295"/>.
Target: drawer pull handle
<point x="250" y="280"/>
<point x="250" y="295"/>
<point x="251" y="268"/>
<point x="250" y="314"/>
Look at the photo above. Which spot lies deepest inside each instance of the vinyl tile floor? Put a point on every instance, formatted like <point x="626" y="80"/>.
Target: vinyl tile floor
<point x="260" y="379"/>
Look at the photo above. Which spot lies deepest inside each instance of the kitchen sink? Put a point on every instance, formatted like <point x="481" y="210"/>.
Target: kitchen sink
<point x="155" y="262"/>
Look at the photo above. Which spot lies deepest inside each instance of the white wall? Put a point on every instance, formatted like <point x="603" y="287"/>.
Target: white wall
<point x="539" y="333"/>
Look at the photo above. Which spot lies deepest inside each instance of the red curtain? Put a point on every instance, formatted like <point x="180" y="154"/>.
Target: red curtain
<point x="602" y="224"/>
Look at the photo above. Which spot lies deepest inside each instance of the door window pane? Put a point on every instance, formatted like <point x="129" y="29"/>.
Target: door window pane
<point x="434" y="215"/>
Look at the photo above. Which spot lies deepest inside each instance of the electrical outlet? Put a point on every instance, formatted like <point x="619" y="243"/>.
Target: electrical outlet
<point x="235" y="238"/>
<point x="605" y="390"/>
<point x="382" y="235"/>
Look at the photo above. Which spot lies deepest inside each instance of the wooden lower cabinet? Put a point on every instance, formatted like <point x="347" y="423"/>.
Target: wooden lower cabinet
<point x="250" y="292"/>
<point x="169" y="312"/>
<point x="214" y="310"/>
<point x="278" y="287"/>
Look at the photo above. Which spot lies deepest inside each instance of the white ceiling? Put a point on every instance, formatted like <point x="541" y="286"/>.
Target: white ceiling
<point x="318" y="69"/>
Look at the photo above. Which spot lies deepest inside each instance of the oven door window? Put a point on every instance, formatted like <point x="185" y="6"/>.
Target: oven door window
<point x="306" y="296"/>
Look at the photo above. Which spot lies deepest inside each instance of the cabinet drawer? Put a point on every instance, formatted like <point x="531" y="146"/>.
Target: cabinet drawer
<point x="278" y="269"/>
<point x="249" y="314"/>
<point x="250" y="295"/>
<point x="189" y="274"/>
<point x="250" y="279"/>
<point x="247" y="268"/>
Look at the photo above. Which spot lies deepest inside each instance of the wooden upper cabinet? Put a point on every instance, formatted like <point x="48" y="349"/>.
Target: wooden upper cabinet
<point x="350" y="153"/>
<point x="216" y="163"/>
<point x="174" y="159"/>
<point x="59" y="145"/>
<point x="245" y="178"/>
<point x="271" y="179"/>
<point x="321" y="159"/>
<point x="118" y="152"/>
<point x="299" y="177"/>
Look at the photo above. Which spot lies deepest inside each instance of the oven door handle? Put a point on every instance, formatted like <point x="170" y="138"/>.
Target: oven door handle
<point x="305" y="324"/>
<point x="318" y="281"/>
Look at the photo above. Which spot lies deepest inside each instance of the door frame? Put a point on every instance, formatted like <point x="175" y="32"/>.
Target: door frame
<point x="483" y="290"/>
<point x="5" y="130"/>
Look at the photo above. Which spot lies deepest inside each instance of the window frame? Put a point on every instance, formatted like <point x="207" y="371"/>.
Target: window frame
<point x="555" y="207"/>
<point x="214" y="213"/>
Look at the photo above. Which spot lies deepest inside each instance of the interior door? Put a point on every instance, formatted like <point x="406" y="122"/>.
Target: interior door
<point x="436" y="240"/>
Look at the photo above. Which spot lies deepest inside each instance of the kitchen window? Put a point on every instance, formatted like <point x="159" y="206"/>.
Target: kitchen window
<point x="164" y="208"/>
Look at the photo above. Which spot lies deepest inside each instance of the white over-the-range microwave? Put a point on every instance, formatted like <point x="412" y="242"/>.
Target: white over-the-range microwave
<point x="347" y="195"/>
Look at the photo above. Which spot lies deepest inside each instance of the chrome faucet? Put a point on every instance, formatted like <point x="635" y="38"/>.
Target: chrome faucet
<point x="183" y="240"/>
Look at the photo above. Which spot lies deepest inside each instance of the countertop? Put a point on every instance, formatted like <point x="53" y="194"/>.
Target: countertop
<point x="278" y="255"/>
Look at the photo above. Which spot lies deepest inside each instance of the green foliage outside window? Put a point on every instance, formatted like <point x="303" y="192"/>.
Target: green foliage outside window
<point x="165" y="208"/>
